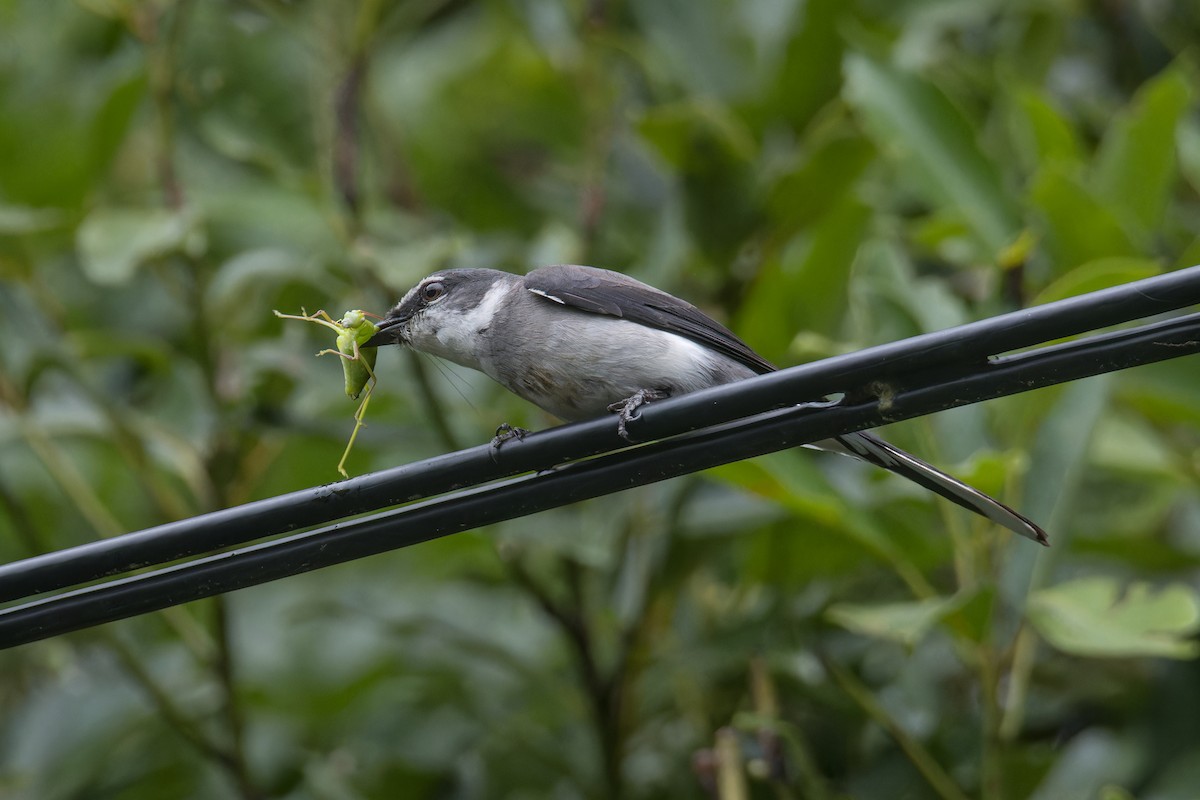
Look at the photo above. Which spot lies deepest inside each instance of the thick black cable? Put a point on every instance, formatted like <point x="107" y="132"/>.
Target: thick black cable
<point x="517" y="497"/>
<point x="901" y="363"/>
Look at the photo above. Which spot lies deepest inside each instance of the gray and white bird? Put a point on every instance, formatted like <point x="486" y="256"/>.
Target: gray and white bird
<point x="581" y="341"/>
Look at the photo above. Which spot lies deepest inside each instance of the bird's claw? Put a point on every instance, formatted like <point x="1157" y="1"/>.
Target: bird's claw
<point x="506" y="433"/>
<point x="627" y="409"/>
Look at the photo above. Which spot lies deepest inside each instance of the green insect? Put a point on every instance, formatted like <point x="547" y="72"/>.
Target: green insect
<point x="353" y="331"/>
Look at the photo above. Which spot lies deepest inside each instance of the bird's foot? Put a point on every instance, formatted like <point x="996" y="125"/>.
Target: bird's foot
<point x="507" y="433"/>
<point x="627" y="409"/>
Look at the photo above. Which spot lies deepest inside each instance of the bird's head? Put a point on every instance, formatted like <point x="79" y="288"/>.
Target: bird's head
<point x="447" y="313"/>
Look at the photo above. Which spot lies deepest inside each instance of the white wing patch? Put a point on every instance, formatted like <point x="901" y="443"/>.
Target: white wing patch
<point x="541" y="293"/>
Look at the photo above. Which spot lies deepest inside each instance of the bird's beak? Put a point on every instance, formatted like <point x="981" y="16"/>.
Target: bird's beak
<point x="390" y="332"/>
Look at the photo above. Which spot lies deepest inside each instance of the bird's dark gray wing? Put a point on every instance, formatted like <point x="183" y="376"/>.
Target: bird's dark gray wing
<point x="600" y="291"/>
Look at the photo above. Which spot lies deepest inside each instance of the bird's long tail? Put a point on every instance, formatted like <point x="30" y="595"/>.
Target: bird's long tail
<point x="876" y="451"/>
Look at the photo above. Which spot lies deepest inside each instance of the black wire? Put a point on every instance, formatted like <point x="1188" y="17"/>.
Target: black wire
<point x="911" y="362"/>
<point x="429" y="519"/>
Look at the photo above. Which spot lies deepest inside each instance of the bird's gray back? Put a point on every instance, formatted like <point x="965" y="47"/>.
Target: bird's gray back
<point x="601" y="291"/>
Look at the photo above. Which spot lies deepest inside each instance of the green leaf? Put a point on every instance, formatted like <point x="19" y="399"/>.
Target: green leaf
<point x="1114" y="792"/>
<point x="1066" y="422"/>
<point x="1189" y="152"/>
<point x="809" y="76"/>
<point x="1094" y="617"/>
<point x="804" y="287"/>
<point x="113" y="243"/>
<point x="714" y="152"/>
<point x="1166" y="393"/>
<point x="1040" y="130"/>
<point x="790" y="479"/>
<point x="67" y="103"/>
<point x="16" y="220"/>
<point x="109" y="126"/>
<point x="511" y="112"/>
<point x="677" y="130"/>
<point x="894" y="301"/>
<point x="916" y="122"/>
<point x="906" y="623"/>
<point x="239" y="290"/>
<point x="835" y="165"/>
<point x="973" y="619"/>
<point x="1102" y="273"/>
<point x="694" y="39"/>
<point x="1078" y="226"/>
<point x="1135" y="167"/>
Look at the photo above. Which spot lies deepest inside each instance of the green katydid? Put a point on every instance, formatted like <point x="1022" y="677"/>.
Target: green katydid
<point x="353" y="331"/>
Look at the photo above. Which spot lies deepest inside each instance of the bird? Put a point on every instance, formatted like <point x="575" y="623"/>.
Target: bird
<point x="580" y="342"/>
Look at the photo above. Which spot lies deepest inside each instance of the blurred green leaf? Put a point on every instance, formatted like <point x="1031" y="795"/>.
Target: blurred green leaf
<point x="15" y="220"/>
<point x="973" y="620"/>
<point x="1087" y="763"/>
<point x="713" y="151"/>
<point x="1147" y="556"/>
<point x="62" y="118"/>
<point x="1188" y="257"/>
<point x="113" y="242"/>
<point x="1095" y="617"/>
<point x="891" y="301"/>
<point x="1078" y="227"/>
<point x="246" y="97"/>
<point x="682" y="134"/>
<point x="912" y="120"/>
<point x="834" y="165"/>
<point x="785" y="478"/>
<point x="1166" y="393"/>
<point x="1133" y="445"/>
<point x="905" y="623"/>
<point x="242" y="286"/>
<point x="804" y="287"/>
<point x="810" y="74"/>
<point x="1135" y="168"/>
<point x="697" y="39"/>
<point x="1189" y="151"/>
<point x="477" y="106"/>
<point x="1040" y="130"/>
<point x="1102" y="273"/>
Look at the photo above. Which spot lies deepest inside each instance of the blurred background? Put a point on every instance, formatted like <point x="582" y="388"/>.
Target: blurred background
<point x="823" y="175"/>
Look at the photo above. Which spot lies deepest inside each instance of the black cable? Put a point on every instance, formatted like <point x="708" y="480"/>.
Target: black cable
<point x="429" y="519"/>
<point x="856" y="374"/>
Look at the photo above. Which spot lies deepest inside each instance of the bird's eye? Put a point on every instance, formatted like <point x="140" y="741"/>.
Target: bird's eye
<point x="432" y="291"/>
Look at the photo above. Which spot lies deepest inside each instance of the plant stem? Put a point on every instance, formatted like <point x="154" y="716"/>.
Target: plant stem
<point x="731" y="774"/>
<point x="603" y="694"/>
<point x="231" y="705"/>
<point x="922" y="759"/>
<point x="176" y="719"/>
<point x="991" y="764"/>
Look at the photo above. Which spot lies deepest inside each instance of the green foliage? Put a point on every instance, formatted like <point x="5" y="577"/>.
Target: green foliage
<point x="1093" y="617"/>
<point x="822" y="174"/>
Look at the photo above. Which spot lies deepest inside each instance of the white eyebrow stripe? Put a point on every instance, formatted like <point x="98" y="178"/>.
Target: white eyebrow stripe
<point x="413" y="291"/>
<point x="541" y="293"/>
